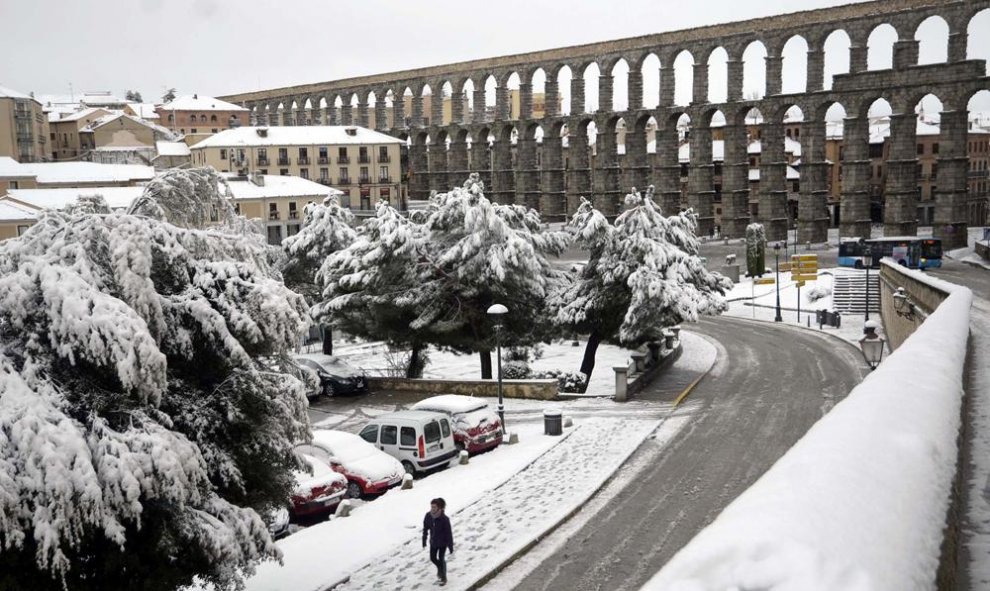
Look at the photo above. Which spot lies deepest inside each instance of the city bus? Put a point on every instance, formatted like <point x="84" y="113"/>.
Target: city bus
<point x="909" y="251"/>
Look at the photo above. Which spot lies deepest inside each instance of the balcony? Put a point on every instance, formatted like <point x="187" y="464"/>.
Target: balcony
<point x="384" y="158"/>
<point x="343" y="160"/>
<point x="283" y="161"/>
<point x="323" y="160"/>
<point x="364" y="180"/>
<point x="303" y="161"/>
<point x="274" y="216"/>
<point x="263" y="161"/>
<point x="293" y="214"/>
<point x="364" y="159"/>
<point x="344" y="181"/>
<point x="384" y="180"/>
<point x="324" y="181"/>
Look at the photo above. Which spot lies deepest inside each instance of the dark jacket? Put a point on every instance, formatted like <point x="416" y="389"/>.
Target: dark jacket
<point x="439" y="531"/>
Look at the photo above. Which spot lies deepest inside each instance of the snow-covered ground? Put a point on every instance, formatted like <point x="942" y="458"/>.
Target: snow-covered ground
<point x="765" y="296"/>
<point x="860" y="501"/>
<point x="560" y="355"/>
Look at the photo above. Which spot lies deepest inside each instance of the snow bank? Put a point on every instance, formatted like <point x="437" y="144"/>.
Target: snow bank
<point x="859" y="503"/>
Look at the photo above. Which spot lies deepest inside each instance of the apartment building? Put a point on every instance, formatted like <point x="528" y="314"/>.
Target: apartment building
<point x="66" y="132"/>
<point x="16" y="175"/>
<point x="277" y="202"/>
<point x="23" y="127"/>
<point x="363" y="164"/>
<point x="198" y="117"/>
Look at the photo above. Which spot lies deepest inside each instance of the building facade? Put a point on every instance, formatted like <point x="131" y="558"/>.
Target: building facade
<point x="68" y="142"/>
<point x="363" y="164"/>
<point x="198" y="117"/>
<point x="23" y="127"/>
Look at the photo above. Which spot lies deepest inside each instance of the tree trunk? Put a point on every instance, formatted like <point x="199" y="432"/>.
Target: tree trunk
<point x="590" y="350"/>
<point x="327" y="339"/>
<point x="486" y="364"/>
<point x="416" y="363"/>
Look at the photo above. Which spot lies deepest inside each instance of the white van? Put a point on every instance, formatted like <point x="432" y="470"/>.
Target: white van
<point x="421" y="440"/>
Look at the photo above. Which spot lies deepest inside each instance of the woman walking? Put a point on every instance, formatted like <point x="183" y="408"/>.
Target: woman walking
<point x="437" y="526"/>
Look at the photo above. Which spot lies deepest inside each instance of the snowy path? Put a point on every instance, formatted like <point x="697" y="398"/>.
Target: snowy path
<point x="503" y="521"/>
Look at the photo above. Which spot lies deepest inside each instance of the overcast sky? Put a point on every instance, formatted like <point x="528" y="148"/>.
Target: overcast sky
<point x="215" y="47"/>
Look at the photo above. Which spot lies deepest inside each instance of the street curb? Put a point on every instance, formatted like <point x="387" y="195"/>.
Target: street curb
<point x="608" y="480"/>
<point x="798" y="326"/>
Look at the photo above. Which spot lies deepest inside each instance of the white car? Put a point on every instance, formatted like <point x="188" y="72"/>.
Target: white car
<point x="476" y="426"/>
<point x="367" y="469"/>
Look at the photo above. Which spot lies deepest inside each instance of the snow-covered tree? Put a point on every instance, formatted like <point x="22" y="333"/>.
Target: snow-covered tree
<point x="169" y="96"/>
<point x="477" y="254"/>
<point x="372" y="285"/>
<point x="145" y="424"/>
<point x="756" y="248"/>
<point x="326" y="228"/>
<point x="133" y="96"/>
<point x="643" y="274"/>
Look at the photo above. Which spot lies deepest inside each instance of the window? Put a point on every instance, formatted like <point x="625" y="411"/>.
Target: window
<point x="273" y="211"/>
<point x="389" y="434"/>
<point x="304" y="173"/>
<point x="343" y="175"/>
<point x="171" y="117"/>
<point x="303" y="153"/>
<point x="383" y="174"/>
<point x="202" y="118"/>
<point x="370" y="433"/>
<point x="21" y="229"/>
<point x="237" y="208"/>
<point x="15" y="184"/>
<point x="935" y="148"/>
<point x="363" y="155"/>
<point x="408" y="437"/>
<point x="213" y="118"/>
<point x="921" y="149"/>
<point x="214" y="130"/>
<point x="192" y="130"/>
<point x="283" y="156"/>
<point x="293" y="212"/>
<point x="283" y="172"/>
<point x="383" y="154"/>
<point x="432" y="432"/>
<point x="364" y="174"/>
<point x="274" y="235"/>
<point x="324" y="159"/>
<point x="325" y="174"/>
<point x="292" y="229"/>
<point x="445" y="427"/>
<point x="263" y="171"/>
<point x="384" y="193"/>
<point x="223" y="153"/>
<point x="342" y="155"/>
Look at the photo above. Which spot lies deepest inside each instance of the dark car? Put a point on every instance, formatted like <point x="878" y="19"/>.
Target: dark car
<point x="336" y="375"/>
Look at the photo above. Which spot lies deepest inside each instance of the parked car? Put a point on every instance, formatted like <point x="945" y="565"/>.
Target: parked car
<point x="318" y="492"/>
<point x="476" y="426"/>
<point x="420" y="439"/>
<point x="367" y="469"/>
<point x="336" y="375"/>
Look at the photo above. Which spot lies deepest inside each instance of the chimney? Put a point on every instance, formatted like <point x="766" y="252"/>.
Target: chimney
<point x="258" y="179"/>
<point x="195" y="96"/>
<point x="262" y="131"/>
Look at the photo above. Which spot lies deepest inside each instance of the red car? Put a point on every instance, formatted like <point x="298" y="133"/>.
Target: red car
<point x="476" y="426"/>
<point x="318" y="492"/>
<point x="367" y="469"/>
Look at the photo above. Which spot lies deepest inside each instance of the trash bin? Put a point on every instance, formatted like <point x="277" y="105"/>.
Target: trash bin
<point x="553" y="422"/>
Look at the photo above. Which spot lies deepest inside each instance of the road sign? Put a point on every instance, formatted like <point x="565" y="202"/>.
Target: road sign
<point x="785" y="267"/>
<point x="804" y="257"/>
<point x="800" y="284"/>
<point x="767" y="281"/>
<point x="804" y="277"/>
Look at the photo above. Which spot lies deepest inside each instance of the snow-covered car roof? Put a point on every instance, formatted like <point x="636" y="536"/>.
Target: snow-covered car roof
<point x="451" y="403"/>
<point x="322" y="474"/>
<point x="357" y="455"/>
<point x="332" y="364"/>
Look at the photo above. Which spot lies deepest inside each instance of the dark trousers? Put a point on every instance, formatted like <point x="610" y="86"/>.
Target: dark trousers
<point x="437" y="558"/>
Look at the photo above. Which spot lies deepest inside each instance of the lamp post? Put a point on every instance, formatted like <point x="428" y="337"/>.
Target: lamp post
<point x="776" y="256"/>
<point x="871" y="344"/>
<point x="497" y="311"/>
<point x="867" y="319"/>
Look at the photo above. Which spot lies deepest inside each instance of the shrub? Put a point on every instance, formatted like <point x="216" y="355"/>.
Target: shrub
<point x="516" y="370"/>
<point x="567" y="381"/>
<point x="818" y="292"/>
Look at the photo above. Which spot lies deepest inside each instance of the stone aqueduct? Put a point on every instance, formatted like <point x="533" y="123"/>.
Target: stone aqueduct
<point x="448" y="155"/>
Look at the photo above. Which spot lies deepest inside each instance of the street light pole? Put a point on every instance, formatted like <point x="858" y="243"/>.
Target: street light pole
<point x="776" y="256"/>
<point x="497" y="311"/>
<point x="868" y="292"/>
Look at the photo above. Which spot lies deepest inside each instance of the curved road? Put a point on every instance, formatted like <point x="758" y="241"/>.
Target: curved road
<point x="771" y="385"/>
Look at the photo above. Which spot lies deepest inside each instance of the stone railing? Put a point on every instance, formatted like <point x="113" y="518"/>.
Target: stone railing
<point x="644" y="367"/>
<point x="983" y="249"/>
<point x="530" y="389"/>
<point x="924" y="293"/>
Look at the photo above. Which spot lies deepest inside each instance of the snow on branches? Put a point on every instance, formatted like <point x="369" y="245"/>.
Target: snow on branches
<point x="644" y="273"/>
<point x="189" y="198"/>
<point x="122" y="340"/>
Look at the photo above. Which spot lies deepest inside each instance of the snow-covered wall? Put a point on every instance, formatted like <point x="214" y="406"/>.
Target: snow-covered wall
<point x="925" y="292"/>
<point x="860" y="502"/>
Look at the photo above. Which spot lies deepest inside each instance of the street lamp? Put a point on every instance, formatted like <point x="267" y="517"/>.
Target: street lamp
<point x="497" y="311"/>
<point x="776" y="256"/>
<point x="872" y="344"/>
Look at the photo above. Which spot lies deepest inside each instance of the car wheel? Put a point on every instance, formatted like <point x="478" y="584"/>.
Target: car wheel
<point x="859" y="264"/>
<point x="353" y="489"/>
<point x="409" y="468"/>
<point x="328" y="390"/>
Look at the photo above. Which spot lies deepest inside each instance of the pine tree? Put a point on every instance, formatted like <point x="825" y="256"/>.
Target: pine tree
<point x="756" y="248"/>
<point x="145" y="420"/>
<point x="169" y="96"/>
<point x="372" y="286"/>
<point x="326" y="229"/>
<point x="133" y="96"/>
<point x="643" y="274"/>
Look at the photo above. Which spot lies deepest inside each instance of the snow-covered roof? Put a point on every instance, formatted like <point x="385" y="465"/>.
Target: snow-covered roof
<point x="792" y="174"/>
<point x="100" y="98"/>
<point x="15" y="212"/>
<point x="10" y="93"/>
<point x="83" y="113"/>
<point x="276" y="186"/>
<point x="75" y="172"/>
<point x="193" y="102"/>
<point x="172" y="148"/>
<point x="144" y="110"/>
<point x="116" y="197"/>
<point x="303" y="135"/>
